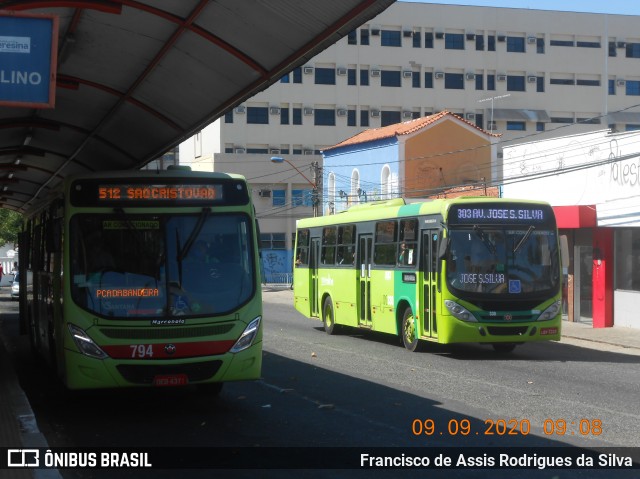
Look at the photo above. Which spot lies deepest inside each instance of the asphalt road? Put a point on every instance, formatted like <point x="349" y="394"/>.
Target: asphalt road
<point x="357" y="390"/>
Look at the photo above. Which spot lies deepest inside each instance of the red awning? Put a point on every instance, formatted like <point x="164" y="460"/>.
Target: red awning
<point x="580" y="216"/>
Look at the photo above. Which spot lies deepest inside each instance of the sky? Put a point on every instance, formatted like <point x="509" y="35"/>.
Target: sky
<point x="622" y="7"/>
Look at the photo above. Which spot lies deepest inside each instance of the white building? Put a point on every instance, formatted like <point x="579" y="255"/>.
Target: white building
<point x="527" y="74"/>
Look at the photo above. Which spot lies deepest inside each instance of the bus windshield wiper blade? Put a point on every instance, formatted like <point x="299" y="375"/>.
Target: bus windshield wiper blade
<point x="194" y="234"/>
<point x="480" y="233"/>
<point x="524" y="238"/>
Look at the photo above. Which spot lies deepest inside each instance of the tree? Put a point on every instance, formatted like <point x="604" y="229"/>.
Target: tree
<point x="10" y="226"/>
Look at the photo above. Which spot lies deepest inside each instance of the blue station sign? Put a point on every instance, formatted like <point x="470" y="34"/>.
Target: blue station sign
<point x="28" y="59"/>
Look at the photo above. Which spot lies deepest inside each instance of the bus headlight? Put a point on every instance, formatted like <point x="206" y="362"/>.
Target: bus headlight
<point x="551" y="312"/>
<point x="85" y="344"/>
<point x="459" y="312"/>
<point x="247" y="337"/>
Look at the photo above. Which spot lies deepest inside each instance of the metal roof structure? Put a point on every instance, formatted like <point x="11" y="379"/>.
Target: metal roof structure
<point x="137" y="77"/>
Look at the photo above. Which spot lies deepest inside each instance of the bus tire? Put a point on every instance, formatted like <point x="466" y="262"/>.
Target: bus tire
<point x="328" y="316"/>
<point x="409" y="335"/>
<point x="504" y="348"/>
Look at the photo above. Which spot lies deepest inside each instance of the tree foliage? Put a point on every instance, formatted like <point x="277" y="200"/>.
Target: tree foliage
<point x="10" y="226"/>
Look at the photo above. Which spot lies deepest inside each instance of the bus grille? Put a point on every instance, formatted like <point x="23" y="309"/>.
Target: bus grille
<point x="514" y="317"/>
<point x="507" y="331"/>
<point x="166" y="333"/>
<point x="144" y="374"/>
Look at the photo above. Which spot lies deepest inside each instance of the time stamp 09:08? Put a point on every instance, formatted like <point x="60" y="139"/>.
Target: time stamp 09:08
<point x="505" y="427"/>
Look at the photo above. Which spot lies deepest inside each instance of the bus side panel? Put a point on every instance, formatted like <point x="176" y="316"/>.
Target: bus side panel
<point x="345" y="295"/>
<point x="382" y="301"/>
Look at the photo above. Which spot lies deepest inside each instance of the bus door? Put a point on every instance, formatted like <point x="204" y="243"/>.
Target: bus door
<point x="429" y="281"/>
<point x="365" y="252"/>
<point x="314" y="256"/>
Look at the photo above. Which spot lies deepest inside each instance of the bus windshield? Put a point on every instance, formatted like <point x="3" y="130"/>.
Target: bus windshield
<point x="159" y="266"/>
<point x="509" y="261"/>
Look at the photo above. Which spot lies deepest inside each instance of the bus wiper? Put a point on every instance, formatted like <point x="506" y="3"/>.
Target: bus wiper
<point x="524" y="239"/>
<point x="480" y="233"/>
<point x="194" y="234"/>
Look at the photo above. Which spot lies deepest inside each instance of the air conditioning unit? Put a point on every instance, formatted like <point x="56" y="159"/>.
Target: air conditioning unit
<point x="439" y="35"/>
<point x="407" y="73"/>
<point x="308" y="111"/>
<point x="622" y="44"/>
<point x="264" y="193"/>
<point x="341" y="71"/>
<point x="620" y="82"/>
<point x="532" y="78"/>
<point x="502" y="77"/>
<point x="240" y="110"/>
<point x="308" y="152"/>
<point x="274" y="151"/>
<point x="375" y="73"/>
<point x="470" y="116"/>
<point x="502" y="38"/>
<point x="532" y="40"/>
<point x="239" y="151"/>
<point x="407" y="33"/>
<point x="375" y="31"/>
<point x="342" y="112"/>
<point x="470" y="76"/>
<point x="407" y="114"/>
<point x="307" y="70"/>
<point x="471" y="36"/>
<point x="375" y="113"/>
<point x="439" y="75"/>
<point x="274" y="110"/>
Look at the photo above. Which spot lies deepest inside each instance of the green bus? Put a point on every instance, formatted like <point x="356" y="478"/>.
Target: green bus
<point x="144" y="278"/>
<point x="464" y="270"/>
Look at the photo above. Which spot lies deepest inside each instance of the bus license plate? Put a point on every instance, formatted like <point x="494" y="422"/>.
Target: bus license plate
<point x="548" y="331"/>
<point x="170" y="380"/>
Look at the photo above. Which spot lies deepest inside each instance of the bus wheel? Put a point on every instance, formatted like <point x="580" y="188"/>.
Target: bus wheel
<point x="328" y="317"/>
<point x="409" y="333"/>
<point x="504" y="347"/>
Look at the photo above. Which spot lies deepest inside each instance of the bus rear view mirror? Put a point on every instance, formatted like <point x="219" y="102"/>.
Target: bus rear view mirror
<point x="444" y="246"/>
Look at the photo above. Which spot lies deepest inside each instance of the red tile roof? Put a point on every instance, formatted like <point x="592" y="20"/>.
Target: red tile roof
<point x="404" y="128"/>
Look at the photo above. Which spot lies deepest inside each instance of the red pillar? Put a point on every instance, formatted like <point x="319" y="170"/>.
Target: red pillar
<point x="602" y="277"/>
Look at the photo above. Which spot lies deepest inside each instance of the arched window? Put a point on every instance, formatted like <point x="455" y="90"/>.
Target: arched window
<point x="331" y="190"/>
<point x="355" y="186"/>
<point x="385" y="183"/>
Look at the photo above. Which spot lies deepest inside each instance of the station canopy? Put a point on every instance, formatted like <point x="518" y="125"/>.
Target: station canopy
<point x="137" y="77"/>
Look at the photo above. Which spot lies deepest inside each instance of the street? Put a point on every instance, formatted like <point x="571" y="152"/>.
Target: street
<point x="357" y="390"/>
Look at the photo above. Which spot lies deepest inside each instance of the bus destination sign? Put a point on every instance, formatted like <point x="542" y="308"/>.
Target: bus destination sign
<point x="499" y="213"/>
<point x="142" y="193"/>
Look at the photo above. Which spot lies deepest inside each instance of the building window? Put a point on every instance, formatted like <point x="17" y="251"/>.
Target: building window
<point x="325" y="76"/>
<point x="516" y="125"/>
<point x="539" y="45"/>
<point x="561" y="119"/>
<point x="562" y="81"/>
<point x="491" y="43"/>
<point x="588" y="44"/>
<point x="588" y="121"/>
<point x="630" y="127"/>
<point x="228" y="117"/>
<point x="454" y="41"/>
<point x="515" y="44"/>
<point x="351" y="76"/>
<point x="479" y="120"/>
<point x="612" y="49"/>
<point x="415" y="79"/>
<point x="301" y="198"/>
<point x="284" y="116"/>
<point x="257" y="115"/>
<point x="254" y="151"/>
<point x="612" y="86"/>
<point x="491" y="82"/>
<point x="390" y="38"/>
<point x="428" y="79"/>
<point x="297" y="75"/>
<point x="352" y="37"/>
<point x="417" y="40"/>
<point x="633" y="50"/>
<point x="540" y="84"/>
<point x="364" y="36"/>
<point x="515" y="83"/>
<point x="480" y="42"/>
<point x="539" y="126"/>
<point x="278" y="197"/>
<point x="391" y="78"/>
<point x="562" y="43"/>
<point x="428" y="39"/>
<point x="351" y="118"/>
<point x="389" y="117"/>
<point x="364" y="117"/>
<point x="364" y="77"/>
<point x="479" y="81"/>
<point x="454" y="81"/>
<point x="627" y="270"/>
<point x="272" y="241"/>
<point x="588" y="82"/>
<point x="297" y="116"/>
<point x="633" y="87"/>
<point x="324" y="117"/>
<point x="285" y="78"/>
